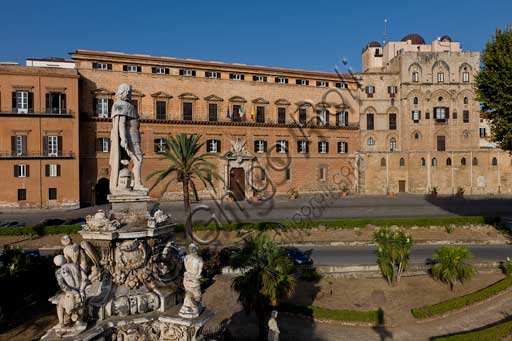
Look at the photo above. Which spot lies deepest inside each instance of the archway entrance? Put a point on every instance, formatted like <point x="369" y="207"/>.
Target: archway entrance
<point x="237" y="183"/>
<point x="101" y="191"/>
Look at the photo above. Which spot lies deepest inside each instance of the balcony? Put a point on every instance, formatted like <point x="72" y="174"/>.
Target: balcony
<point x="37" y="155"/>
<point x="50" y="113"/>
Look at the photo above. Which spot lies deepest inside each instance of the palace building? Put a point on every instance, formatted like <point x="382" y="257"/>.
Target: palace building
<point x="409" y="122"/>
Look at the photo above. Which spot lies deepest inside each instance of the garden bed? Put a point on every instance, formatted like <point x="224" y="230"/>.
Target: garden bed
<point x="375" y="317"/>
<point x="462" y="301"/>
<point x="495" y="332"/>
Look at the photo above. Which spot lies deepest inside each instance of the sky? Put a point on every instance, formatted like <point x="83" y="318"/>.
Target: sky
<point x="311" y="35"/>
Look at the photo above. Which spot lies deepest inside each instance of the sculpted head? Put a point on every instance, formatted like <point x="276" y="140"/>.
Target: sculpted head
<point x="65" y="240"/>
<point x="124" y="92"/>
<point x="59" y="260"/>
<point x="192" y="249"/>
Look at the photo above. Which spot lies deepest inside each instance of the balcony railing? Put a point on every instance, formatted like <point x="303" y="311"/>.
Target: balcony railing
<point x="31" y="113"/>
<point x="36" y="155"/>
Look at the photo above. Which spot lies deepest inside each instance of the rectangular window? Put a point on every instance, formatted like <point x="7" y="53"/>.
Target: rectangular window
<point x="370" y="122"/>
<point x="160" y="145"/>
<point x="416" y="116"/>
<point x="160" y="70"/>
<point x="441" y="114"/>
<point x="440" y="77"/>
<point x="52" y="193"/>
<point x="282" y="146"/>
<point x="302" y="147"/>
<point x="342" y="147"/>
<point x="465" y="77"/>
<point x="391" y="91"/>
<point x="19" y="145"/>
<point x="415" y="77"/>
<point x="322" y="84"/>
<point x="187" y="111"/>
<point x="102" y="66"/>
<point x="301" y="82"/>
<point x="132" y="68"/>
<point x="260" y="114"/>
<point x="302" y="115"/>
<point x="213" y="146"/>
<point x="22" y="194"/>
<point x="287" y="174"/>
<point x="187" y="72"/>
<point x="236" y="112"/>
<point x="102" y="107"/>
<point x="52" y="170"/>
<point x="483" y="133"/>
<point x="259" y="78"/>
<point x="55" y="103"/>
<point x="370" y="90"/>
<point x="341" y="85"/>
<point x="212" y="112"/>
<point x="281" y="115"/>
<point x="281" y="80"/>
<point x="392" y="121"/>
<point x="161" y="110"/>
<point x="323" y="147"/>
<point x="21" y="171"/>
<point x="260" y="146"/>
<point x="22" y="105"/>
<point x="236" y="76"/>
<point x="323" y="173"/>
<point x="441" y="145"/>
<point x="105" y="144"/>
<point x="322" y="117"/>
<point x="342" y="118"/>
<point x="212" y="74"/>
<point x="53" y="145"/>
<point x="465" y="116"/>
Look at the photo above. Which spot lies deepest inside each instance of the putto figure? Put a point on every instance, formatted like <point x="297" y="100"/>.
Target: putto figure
<point x="125" y="139"/>
<point x="192" y="306"/>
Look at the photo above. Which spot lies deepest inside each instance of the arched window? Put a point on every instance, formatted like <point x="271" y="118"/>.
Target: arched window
<point x="466" y="101"/>
<point x="415" y="101"/>
<point x="434" y="162"/>
<point x="402" y="162"/>
<point x="448" y="162"/>
<point x="416" y="136"/>
<point x="475" y="161"/>
<point x="463" y="161"/>
<point x="371" y="141"/>
<point x="383" y="162"/>
<point x="392" y="144"/>
<point x="494" y="161"/>
<point x="422" y="162"/>
<point x="415" y="76"/>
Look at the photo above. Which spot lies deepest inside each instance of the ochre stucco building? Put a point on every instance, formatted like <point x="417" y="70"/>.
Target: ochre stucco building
<point x="409" y="122"/>
<point x="39" y="159"/>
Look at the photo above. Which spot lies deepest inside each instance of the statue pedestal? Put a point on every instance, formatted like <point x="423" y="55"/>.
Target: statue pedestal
<point x="130" y="207"/>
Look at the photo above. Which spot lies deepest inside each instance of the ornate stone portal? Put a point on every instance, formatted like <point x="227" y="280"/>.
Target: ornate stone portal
<point x="132" y="288"/>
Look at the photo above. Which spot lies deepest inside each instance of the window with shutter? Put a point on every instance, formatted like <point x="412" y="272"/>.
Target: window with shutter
<point x="187" y="111"/>
<point x="369" y="121"/>
<point x="22" y="194"/>
<point x="281" y="115"/>
<point x="161" y="110"/>
<point x="212" y="112"/>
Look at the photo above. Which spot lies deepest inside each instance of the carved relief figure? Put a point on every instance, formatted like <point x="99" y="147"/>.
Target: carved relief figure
<point x="125" y="139"/>
<point x="192" y="282"/>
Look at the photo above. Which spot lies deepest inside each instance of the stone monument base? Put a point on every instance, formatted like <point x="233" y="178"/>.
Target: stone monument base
<point x="130" y="207"/>
<point x="151" y="327"/>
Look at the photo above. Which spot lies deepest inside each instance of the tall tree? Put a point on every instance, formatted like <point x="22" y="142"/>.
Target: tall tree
<point x="494" y="83"/>
<point x="188" y="165"/>
<point x="268" y="277"/>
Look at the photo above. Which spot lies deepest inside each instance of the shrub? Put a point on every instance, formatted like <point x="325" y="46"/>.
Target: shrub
<point x="39" y="230"/>
<point x="310" y="275"/>
<point x="496" y="332"/>
<point x="462" y="301"/>
<point x="393" y="248"/>
<point x="506" y="266"/>
<point x="449" y="229"/>
<point x="451" y="265"/>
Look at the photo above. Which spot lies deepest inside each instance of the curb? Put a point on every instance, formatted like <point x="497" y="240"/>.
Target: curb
<point x="421" y="242"/>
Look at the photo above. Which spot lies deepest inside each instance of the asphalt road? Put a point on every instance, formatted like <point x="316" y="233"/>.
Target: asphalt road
<point x="363" y="255"/>
<point x="318" y="207"/>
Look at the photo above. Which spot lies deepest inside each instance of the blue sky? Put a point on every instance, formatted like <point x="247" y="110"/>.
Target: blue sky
<point x="313" y="35"/>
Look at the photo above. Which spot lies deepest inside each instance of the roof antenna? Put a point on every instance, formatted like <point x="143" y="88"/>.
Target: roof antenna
<point x="385" y="31"/>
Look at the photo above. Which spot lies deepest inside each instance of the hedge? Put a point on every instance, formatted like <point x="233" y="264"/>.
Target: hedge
<point x="353" y="223"/>
<point x="462" y="301"/>
<point x="375" y="317"/>
<point x="39" y="230"/>
<point x="496" y="332"/>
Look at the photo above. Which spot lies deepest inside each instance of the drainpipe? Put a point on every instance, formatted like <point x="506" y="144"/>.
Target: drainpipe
<point x="471" y="173"/>
<point x="452" y="169"/>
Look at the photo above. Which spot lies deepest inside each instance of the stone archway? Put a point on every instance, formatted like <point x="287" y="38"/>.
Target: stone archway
<point x="238" y="175"/>
<point x="101" y="191"/>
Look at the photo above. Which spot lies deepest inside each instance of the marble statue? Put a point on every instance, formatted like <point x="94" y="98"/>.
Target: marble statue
<point x="273" y="328"/>
<point x="192" y="306"/>
<point x="70" y="302"/>
<point x="100" y="221"/>
<point x="125" y="139"/>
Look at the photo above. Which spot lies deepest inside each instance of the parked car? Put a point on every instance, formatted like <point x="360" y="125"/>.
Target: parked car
<point x="11" y="224"/>
<point x="298" y="256"/>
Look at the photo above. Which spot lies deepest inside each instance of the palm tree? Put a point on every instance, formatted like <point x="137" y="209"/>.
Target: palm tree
<point x="451" y="265"/>
<point x="185" y="160"/>
<point x="268" y="277"/>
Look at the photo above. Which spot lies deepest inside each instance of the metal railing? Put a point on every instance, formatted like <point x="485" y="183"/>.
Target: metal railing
<point x="35" y="155"/>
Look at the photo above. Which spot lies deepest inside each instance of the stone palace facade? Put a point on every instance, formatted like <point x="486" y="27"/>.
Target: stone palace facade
<point x="409" y="122"/>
